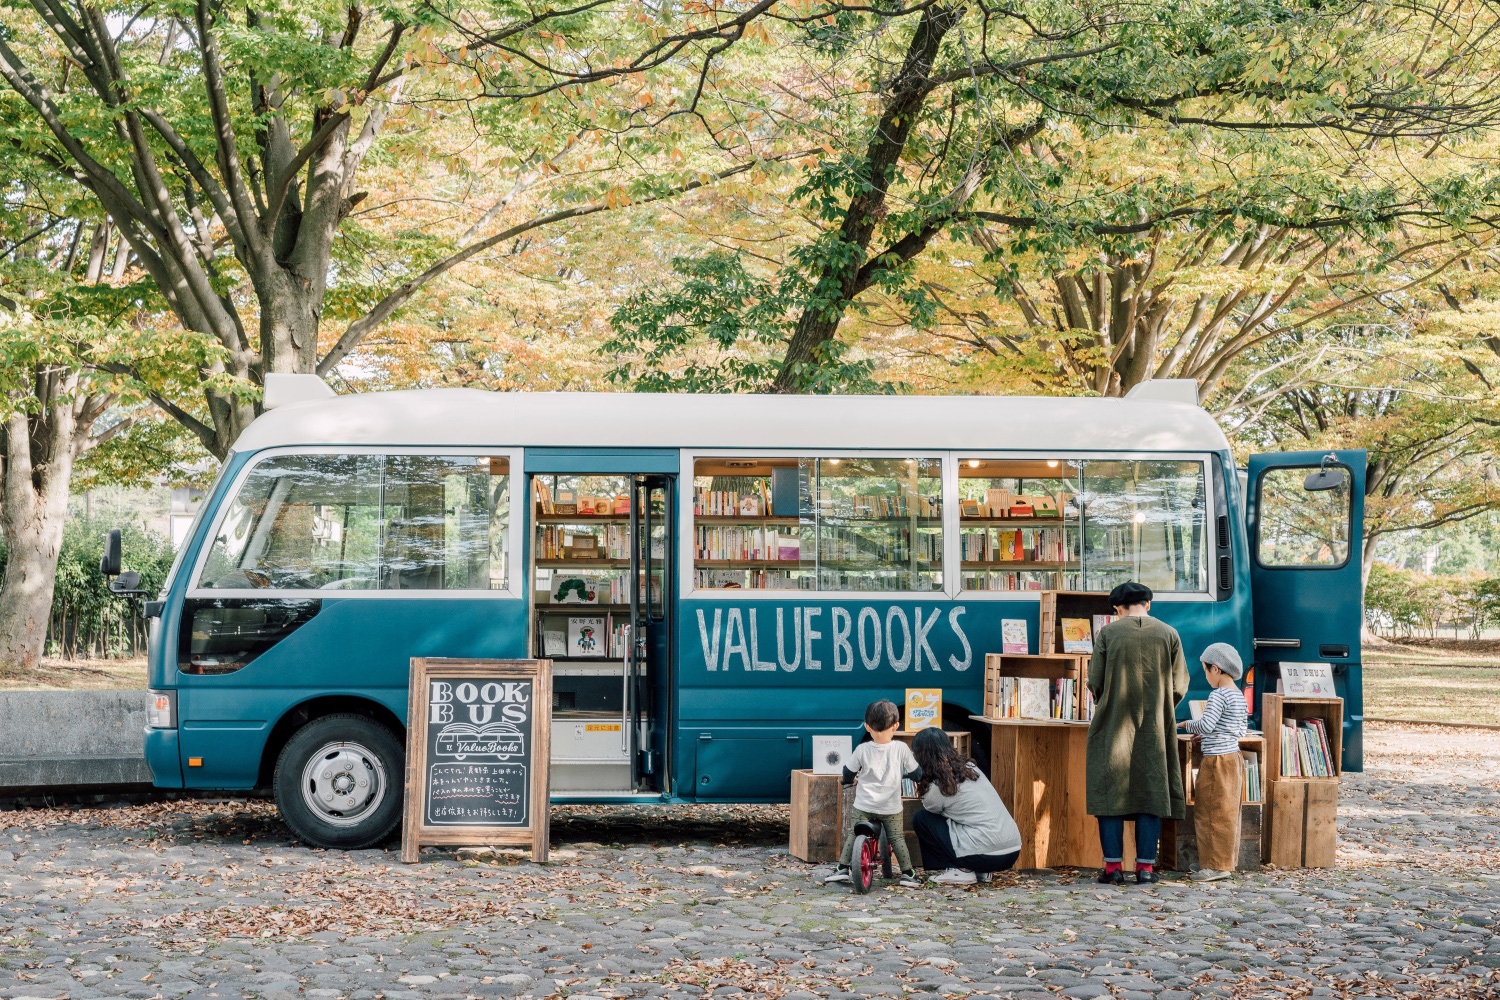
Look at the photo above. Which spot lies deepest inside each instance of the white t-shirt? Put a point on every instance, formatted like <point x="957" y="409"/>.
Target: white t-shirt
<point x="880" y="767"/>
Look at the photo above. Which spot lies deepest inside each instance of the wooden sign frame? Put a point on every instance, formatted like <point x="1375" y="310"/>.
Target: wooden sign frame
<point x="416" y="832"/>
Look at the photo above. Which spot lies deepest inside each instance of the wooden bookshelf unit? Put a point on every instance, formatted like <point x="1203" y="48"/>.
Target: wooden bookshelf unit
<point x="1060" y="604"/>
<point x="1303" y="811"/>
<point x="1046" y="666"/>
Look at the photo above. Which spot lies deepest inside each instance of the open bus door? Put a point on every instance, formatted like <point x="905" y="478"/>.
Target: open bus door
<point x="1305" y="518"/>
<point x="649" y="659"/>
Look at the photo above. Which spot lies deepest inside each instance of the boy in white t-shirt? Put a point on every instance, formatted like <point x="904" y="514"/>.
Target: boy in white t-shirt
<point x="880" y="764"/>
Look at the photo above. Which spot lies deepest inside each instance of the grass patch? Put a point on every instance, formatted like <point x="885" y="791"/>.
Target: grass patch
<point x="78" y="675"/>
<point x="1437" y="691"/>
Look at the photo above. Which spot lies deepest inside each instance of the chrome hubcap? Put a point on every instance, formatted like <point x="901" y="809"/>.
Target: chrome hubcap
<point x="343" y="783"/>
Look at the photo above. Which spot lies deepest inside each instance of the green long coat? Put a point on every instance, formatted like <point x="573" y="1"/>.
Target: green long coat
<point x="1137" y="677"/>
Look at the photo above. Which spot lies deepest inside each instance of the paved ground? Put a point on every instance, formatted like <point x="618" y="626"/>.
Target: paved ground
<point x="212" y="900"/>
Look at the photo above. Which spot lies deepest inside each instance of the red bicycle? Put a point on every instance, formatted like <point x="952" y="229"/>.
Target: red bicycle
<point x="871" y="849"/>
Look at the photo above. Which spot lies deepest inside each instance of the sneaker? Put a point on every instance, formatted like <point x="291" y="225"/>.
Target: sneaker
<point x="954" y="876"/>
<point x="1209" y="875"/>
<point x="985" y="878"/>
<point x="840" y="874"/>
<point x="910" y="880"/>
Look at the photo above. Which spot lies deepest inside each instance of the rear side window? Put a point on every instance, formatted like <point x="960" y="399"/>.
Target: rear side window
<point x="365" y="522"/>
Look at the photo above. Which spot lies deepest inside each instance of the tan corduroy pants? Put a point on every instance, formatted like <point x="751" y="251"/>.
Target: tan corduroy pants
<point x="1216" y="810"/>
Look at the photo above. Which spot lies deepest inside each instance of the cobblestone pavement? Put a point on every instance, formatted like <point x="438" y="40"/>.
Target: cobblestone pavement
<point x="212" y="899"/>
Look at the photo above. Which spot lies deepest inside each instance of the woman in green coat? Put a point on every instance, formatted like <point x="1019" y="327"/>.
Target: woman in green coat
<point x="1137" y="677"/>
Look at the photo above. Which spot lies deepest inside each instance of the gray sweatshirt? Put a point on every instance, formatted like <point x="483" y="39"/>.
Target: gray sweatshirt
<point x="978" y="822"/>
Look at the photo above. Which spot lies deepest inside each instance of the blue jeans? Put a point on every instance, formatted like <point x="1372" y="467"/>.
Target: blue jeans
<point x="1147" y="837"/>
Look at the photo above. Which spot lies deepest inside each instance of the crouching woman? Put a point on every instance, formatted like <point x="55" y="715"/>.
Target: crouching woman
<point x="963" y="827"/>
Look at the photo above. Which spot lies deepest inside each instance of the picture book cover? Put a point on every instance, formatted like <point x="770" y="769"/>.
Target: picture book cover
<point x="830" y="753"/>
<point x="924" y="707"/>
<point x="1078" y="636"/>
<point x="585" y="637"/>
<point x="1035" y="698"/>
<point x="554" y="644"/>
<point x="1013" y="636"/>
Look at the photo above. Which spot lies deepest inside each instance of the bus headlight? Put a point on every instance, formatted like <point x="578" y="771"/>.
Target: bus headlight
<point x="161" y="709"/>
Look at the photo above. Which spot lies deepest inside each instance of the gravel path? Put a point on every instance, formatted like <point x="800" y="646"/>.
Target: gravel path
<point x="212" y="899"/>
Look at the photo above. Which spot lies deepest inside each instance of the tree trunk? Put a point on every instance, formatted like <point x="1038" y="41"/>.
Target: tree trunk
<point x="35" y="509"/>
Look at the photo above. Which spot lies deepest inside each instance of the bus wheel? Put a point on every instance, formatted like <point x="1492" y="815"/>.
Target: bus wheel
<point x="339" y="782"/>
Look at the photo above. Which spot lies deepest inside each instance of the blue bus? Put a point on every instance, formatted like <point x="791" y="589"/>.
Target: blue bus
<point x="716" y="578"/>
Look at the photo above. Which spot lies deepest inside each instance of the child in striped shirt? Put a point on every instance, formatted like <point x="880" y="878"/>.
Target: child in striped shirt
<point x="1221" y="776"/>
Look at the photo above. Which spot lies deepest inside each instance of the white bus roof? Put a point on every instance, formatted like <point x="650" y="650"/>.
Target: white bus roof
<point x="475" y="418"/>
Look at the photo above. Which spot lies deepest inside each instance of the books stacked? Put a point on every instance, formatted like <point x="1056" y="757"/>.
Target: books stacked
<point x="617" y="641"/>
<point x="1304" y="750"/>
<point x="731" y="503"/>
<point x="1023" y="580"/>
<point x="891" y="545"/>
<point x="562" y="543"/>
<point x="888" y="505"/>
<point x="1016" y="545"/>
<point x="908" y="788"/>
<point x="1252" y="777"/>
<point x="1038" y="698"/>
<point x="753" y="579"/>
<point x="746" y="543"/>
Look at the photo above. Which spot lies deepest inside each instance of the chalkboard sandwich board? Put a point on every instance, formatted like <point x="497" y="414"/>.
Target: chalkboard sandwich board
<point x="478" y="742"/>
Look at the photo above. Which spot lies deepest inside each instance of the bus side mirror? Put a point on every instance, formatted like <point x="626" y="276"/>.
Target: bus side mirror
<point x="1325" y="478"/>
<point x="109" y="563"/>
<point x="126" y="583"/>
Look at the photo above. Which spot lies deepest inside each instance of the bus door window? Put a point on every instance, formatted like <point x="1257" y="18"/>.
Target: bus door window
<point x="1299" y="527"/>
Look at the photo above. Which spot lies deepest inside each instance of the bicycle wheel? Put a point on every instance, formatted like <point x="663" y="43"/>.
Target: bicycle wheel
<point x="887" y="870"/>
<point x="865" y="860"/>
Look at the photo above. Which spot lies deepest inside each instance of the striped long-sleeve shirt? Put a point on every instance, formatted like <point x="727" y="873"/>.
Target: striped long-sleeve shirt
<point x="1223" y="721"/>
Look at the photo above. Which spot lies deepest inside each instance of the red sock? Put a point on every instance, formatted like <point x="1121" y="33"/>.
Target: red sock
<point x="1142" y="866"/>
<point x="1110" y="867"/>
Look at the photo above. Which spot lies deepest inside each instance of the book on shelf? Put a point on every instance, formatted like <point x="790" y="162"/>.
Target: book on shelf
<point x="586" y="636"/>
<point x="543" y="495"/>
<point x="1102" y="620"/>
<point x="1013" y="636"/>
<point x="554" y="643"/>
<point x="908" y="788"/>
<point x="1305" y="752"/>
<point x="987" y="544"/>
<point x="1078" y="636"/>
<point x="1038" y="698"/>
<point x="1252" y="777"/>
<point x="618" y="637"/>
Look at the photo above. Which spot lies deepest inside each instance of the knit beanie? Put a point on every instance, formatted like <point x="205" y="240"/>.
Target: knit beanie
<point x="1223" y="656"/>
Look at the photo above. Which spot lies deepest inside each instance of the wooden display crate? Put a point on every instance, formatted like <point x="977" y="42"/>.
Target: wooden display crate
<point x="815" y="812"/>
<point x="1276" y="709"/>
<point x="820" y="803"/>
<point x="1304" y="821"/>
<point x="1303" y="811"/>
<point x="1049" y="666"/>
<point x="1060" y="604"/>
<point x="1180" y="851"/>
<point x="962" y="740"/>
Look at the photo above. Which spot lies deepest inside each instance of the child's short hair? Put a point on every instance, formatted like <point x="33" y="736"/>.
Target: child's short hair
<point x="881" y="715"/>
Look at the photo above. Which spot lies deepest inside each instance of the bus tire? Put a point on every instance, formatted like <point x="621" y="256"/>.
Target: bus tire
<point x="339" y="782"/>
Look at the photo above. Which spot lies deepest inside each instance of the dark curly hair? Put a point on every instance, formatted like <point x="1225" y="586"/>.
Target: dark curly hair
<point x="940" y="763"/>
